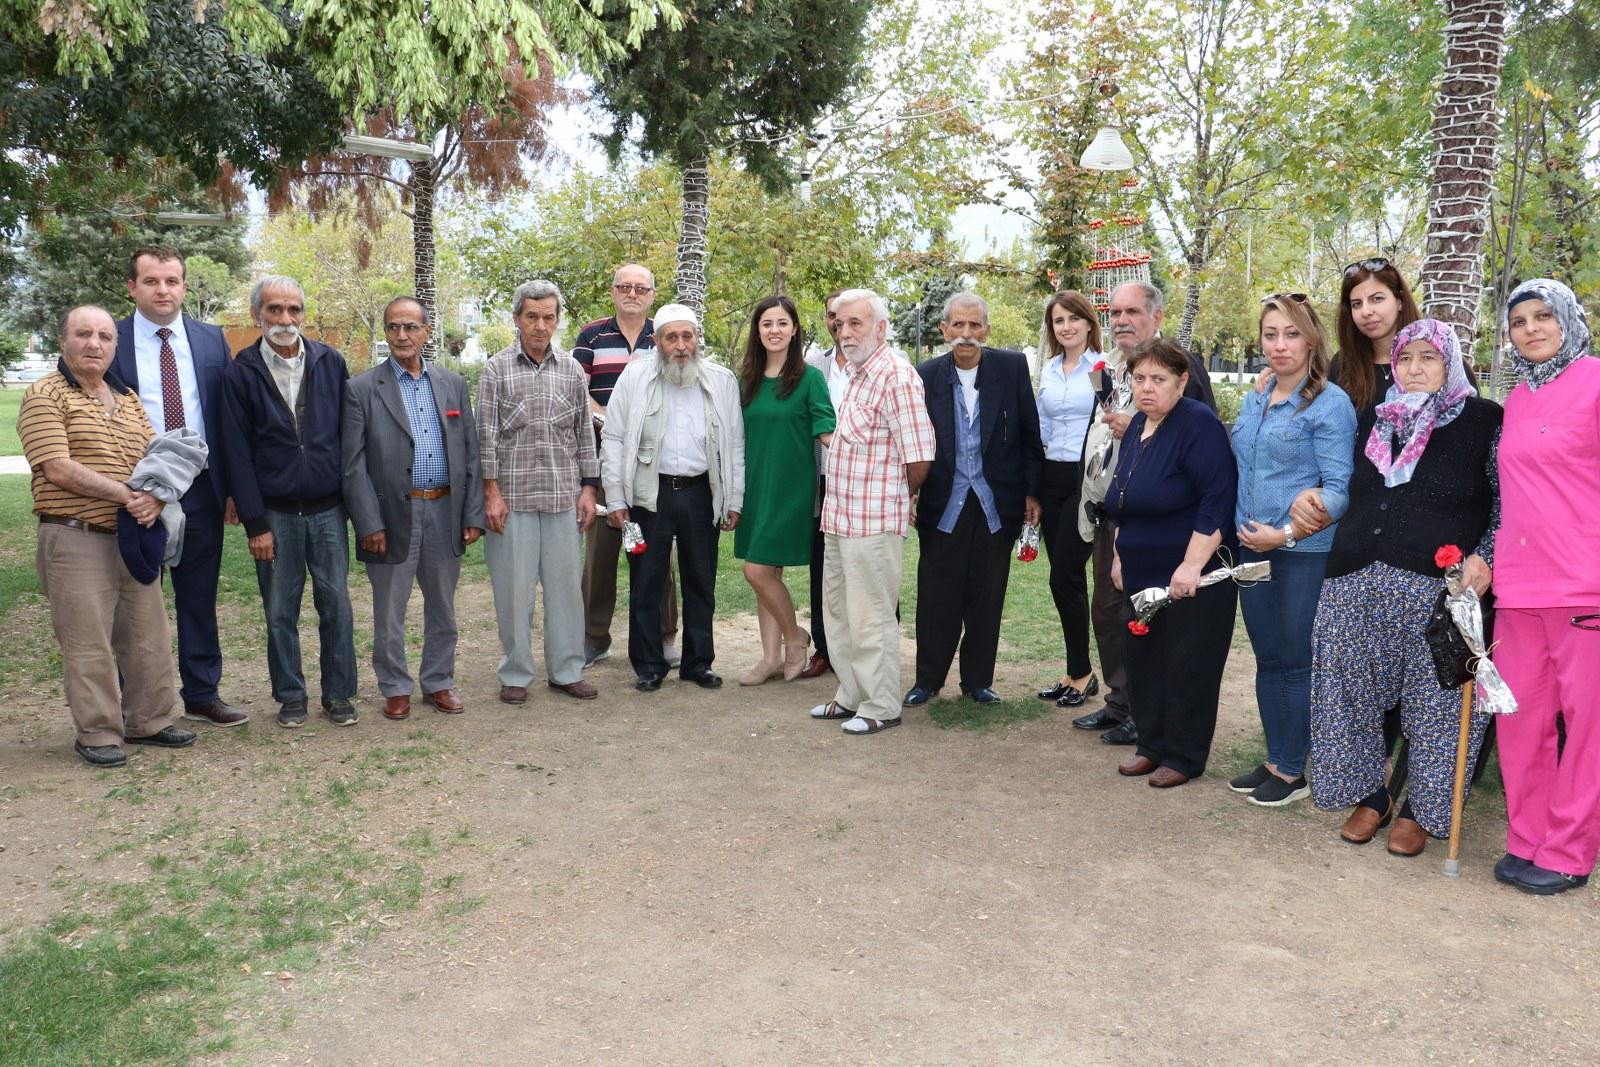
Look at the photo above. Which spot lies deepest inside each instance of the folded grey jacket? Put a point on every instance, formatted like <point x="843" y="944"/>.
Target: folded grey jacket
<point x="172" y="461"/>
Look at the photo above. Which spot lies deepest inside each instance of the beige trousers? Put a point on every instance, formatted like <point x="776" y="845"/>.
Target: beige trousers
<point x="105" y="621"/>
<point x="860" y="588"/>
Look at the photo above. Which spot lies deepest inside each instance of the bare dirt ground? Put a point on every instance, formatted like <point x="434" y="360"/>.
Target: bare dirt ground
<point x="701" y="877"/>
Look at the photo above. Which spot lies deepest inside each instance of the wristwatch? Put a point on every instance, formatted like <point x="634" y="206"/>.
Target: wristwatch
<point x="1288" y="535"/>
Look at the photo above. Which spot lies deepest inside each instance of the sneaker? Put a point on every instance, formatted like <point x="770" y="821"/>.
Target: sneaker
<point x="341" y="712"/>
<point x="1275" y="792"/>
<point x="592" y="655"/>
<point x="292" y="714"/>
<point x="1249" y="783"/>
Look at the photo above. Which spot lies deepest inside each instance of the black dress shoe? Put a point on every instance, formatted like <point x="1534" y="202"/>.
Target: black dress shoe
<point x="706" y="680"/>
<point x="100" y="755"/>
<point x="1072" y="697"/>
<point x="1124" y="733"/>
<point x="1506" y="871"/>
<point x="918" y="695"/>
<point x="1544" y="883"/>
<point x="217" y="712"/>
<point x="647" y="683"/>
<point x="984" y="695"/>
<point x="1103" y="719"/>
<point x="171" y="737"/>
<point x="1054" y="692"/>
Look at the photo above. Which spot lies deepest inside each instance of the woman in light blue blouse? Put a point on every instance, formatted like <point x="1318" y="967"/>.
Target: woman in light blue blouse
<point x="1071" y="342"/>
<point x="1297" y="433"/>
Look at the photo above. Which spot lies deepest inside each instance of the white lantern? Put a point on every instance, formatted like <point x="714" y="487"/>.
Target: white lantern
<point x="1107" y="152"/>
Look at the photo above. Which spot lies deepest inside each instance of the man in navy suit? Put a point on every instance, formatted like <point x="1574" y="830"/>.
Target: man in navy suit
<point x="982" y="488"/>
<point x="175" y="364"/>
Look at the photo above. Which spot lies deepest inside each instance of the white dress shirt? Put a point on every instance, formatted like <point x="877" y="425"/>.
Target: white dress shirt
<point x="683" y="440"/>
<point x="838" y="380"/>
<point x="147" y="357"/>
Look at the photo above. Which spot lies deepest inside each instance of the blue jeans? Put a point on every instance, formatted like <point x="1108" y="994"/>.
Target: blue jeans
<point x="317" y="544"/>
<point x="1279" y="615"/>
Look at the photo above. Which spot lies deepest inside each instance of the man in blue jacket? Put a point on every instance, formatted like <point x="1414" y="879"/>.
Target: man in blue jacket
<point x="983" y="486"/>
<point x="285" y="401"/>
<point x="176" y="364"/>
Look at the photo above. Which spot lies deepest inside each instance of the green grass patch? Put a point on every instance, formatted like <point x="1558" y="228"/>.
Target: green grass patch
<point x="967" y="714"/>
<point x="10" y="407"/>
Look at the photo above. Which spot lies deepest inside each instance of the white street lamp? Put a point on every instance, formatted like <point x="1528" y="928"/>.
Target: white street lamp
<point x="1107" y="151"/>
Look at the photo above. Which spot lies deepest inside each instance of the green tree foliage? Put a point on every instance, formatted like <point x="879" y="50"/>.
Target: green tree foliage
<point x="13" y="347"/>
<point x="738" y="78"/>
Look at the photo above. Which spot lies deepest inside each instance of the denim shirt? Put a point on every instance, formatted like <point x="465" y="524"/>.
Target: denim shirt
<point x="969" y="465"/>
<point x="1066" y="403"/>
<point x="1281" y="450"/>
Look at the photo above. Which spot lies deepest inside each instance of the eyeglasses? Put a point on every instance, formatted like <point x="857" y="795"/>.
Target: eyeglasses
<point x="1586" y="622"/>
<point x="642" y="290"/>
<point x="404" y="327"/>
<point x="1371" y="266"/>
<point x="1298" y="298"/>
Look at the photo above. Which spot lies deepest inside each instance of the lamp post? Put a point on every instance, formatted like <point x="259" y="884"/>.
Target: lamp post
<point x="421" y="158"/>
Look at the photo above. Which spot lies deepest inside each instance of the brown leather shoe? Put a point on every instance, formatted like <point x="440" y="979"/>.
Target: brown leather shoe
<point x="1364" y="823"/>
<point x="1166" y="778"/>
<point x="579" y="690"/>
<point x="446" y="700"/>
<point x="1407" y="838"/>
<point x="1135" y="766"/>
<point x="816" y="667"/>
<point x="218" y="713"/>
<point x="397" y="707"/>
<point x="513" y="694"/>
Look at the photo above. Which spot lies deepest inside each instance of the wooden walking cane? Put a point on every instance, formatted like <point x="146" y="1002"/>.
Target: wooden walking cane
<point x="1452" y="865"/>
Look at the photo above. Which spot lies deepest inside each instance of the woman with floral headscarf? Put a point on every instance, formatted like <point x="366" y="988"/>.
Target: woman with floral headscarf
<point x="1424" y="477"/>
<point x="1547" y="591"/>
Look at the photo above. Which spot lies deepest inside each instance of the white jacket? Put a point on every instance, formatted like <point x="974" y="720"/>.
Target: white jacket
<point x="637" y="395"/>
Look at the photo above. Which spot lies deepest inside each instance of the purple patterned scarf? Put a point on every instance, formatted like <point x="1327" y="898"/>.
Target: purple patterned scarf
<point x="1409" y="419"/>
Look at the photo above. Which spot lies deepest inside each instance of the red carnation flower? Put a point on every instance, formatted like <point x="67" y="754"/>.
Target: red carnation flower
<point x="1099" y="366"/>
<point x="1137" y="628"/>
<point x="1447" y="556"/>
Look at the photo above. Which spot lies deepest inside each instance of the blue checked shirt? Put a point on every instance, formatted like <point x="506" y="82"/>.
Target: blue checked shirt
<point x="429" y="467"/>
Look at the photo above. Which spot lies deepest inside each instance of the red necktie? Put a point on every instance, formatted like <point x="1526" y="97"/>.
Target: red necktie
<point x="171" y="394"/>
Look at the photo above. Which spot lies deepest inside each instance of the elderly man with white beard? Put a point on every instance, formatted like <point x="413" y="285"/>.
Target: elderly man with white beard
<point x="284" y="401"/>
<point x="672" y="461"/>
<point x="882" y="450"/>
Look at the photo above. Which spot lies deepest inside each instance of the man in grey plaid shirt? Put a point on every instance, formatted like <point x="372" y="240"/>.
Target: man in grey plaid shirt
<point x="540" y="475"/>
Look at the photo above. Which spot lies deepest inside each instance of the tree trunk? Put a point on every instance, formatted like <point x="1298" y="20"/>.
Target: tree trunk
<point x="1191" y="308"/>
<point x="422" y="180"/>
<point x="1465" y="135"/>
<point x="691" y="276"/>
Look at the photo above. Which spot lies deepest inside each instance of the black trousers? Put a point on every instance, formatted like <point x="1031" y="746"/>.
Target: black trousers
<point x="194" y="594"/>
<point x="1109" y="612"/>
<point x="682" y="515"/>
<point x="1176" y="674"/>
<point x="819" y="635"/>
<point x="1060" y="489"/>
<point x="961" y="591"/>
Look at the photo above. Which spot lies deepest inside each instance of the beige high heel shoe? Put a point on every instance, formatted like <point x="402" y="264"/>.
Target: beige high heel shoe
<point x="764" y="671"/>
<point x="794" y="658"/>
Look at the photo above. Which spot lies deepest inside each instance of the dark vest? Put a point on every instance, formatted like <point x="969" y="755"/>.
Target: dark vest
<point x="1447" y="501"/>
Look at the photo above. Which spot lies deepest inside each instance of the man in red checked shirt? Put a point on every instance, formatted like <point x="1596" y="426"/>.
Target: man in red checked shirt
<point x="883" y="448"/>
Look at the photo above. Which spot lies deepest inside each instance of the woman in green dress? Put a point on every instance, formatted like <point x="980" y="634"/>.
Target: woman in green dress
<point x="786" y="409"/>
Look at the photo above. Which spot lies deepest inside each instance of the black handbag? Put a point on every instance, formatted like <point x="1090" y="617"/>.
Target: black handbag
<point x="1452" y="659"/>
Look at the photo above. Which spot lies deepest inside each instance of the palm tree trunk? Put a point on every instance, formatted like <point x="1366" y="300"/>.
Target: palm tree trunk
<point x="1466" y="128"/>
<point x="422" y="184"/>
<point x="691" y="276"/>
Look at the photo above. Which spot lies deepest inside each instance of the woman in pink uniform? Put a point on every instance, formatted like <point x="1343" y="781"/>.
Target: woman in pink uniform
<point x="1547" y="593"/>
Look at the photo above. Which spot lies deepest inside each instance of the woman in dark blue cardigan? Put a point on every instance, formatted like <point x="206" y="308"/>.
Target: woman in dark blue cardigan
<point x="1172" y="500"/>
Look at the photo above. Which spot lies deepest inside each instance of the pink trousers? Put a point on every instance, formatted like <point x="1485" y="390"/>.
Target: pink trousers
<point x="1552" y="810"/>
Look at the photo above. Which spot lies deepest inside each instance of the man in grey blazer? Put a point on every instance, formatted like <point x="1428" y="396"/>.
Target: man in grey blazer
<point x="413" y="492"/>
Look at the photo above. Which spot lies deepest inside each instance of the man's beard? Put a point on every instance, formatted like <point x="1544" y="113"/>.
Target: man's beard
<point x="857" y="353"/>
<point x="283" y="335"/>
<point x="680" y="374"/>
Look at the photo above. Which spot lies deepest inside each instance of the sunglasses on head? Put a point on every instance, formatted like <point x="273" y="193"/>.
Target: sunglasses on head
<point x="1371" y="266"/>
<point x="1586" y="622"/>
<point x="1298" y="298"/>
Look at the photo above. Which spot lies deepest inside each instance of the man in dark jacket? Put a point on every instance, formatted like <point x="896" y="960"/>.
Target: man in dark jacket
<point x="284" y="397"/>
<point x="982" y="488"/>
<point x="176" y="364"/>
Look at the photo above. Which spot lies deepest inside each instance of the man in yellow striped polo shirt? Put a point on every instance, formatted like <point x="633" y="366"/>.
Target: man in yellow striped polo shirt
<point x="83" y="432"/>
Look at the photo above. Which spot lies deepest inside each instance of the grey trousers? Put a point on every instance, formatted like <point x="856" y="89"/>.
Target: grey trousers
<point x="434" y="566"/>
<point x="543" y="548"/>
